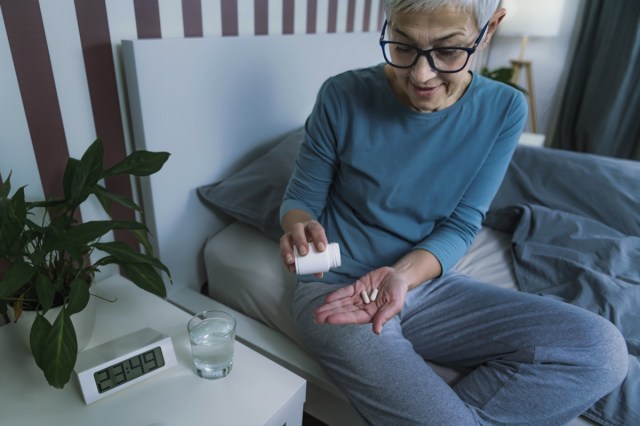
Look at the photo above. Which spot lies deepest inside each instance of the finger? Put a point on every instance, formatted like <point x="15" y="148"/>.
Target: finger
<point x="357" y="316"/>
<point x="299" y="238"/>
<point x="315" y="232"/>
<point x="384" y="314"/>
<point x="342" y="293"/>
<point x="321" y="315"/>
<point x="286" y="252"/>
<point x="338" y="304"/>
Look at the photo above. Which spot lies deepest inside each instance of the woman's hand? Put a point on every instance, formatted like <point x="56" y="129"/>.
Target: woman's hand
<point x="347" y="306"/>
<point x="300" y="231"/>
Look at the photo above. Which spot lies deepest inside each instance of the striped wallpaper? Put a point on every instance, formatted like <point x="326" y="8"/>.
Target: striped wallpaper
<point x="61" y="80"/>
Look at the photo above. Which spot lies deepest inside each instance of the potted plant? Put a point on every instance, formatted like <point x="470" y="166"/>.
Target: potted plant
<point x="503" y="75"/>
<point x="46" y="262"/>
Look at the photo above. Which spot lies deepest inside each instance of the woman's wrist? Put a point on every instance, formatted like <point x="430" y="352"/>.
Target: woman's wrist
<point x="418" y="266"/>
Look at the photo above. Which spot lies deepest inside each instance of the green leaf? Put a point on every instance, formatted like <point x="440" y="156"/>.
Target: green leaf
<point x="142" y="238"/>
<point x="90" y="167"/>
<point x="125" y="255"/>
<point x="87" y="173"/>
<point x="3" y="310"/>
<point x="88" y="232"/>
<point x="140" y="163"/>
<point x="503" y="75"/>
<point x="78" y="296"/>
<point x="145" y="277"/>
<point x="38" y="338"/>
<point x="105" y="197"/>
<point x="5" y="188"/>
<point x="104" y="200"/>
<point x="13" y="218"/>
<point x="60" y="351"/>
<point x="67" y="179"/>
<point x="107" y="260"/>
<point x="45" y="290"/>
<point x="18" y="205"/>
<point x="16" y="276"/>
<point x="59" y="285"/>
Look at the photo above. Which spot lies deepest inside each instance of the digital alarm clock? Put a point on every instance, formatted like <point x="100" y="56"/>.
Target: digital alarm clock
<point x="122" y="362"/>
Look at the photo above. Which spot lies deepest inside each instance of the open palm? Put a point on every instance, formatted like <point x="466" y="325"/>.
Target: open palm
<point x="346" y="305"/>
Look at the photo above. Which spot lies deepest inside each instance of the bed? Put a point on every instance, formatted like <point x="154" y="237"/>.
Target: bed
<point x="230" y="111"/>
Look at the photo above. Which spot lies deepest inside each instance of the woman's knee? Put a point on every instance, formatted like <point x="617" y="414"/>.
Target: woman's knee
<point x="307" y="298"/>
<point x="607" y="356"/>
<point x="615" y="362"/>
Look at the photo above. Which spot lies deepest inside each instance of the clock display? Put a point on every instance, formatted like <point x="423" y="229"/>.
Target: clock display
<point x="122" y="362"/>
<point x="129" y="369"/>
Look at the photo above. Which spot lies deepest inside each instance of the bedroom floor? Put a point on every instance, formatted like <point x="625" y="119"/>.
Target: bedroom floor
<point x="308" y="420"/>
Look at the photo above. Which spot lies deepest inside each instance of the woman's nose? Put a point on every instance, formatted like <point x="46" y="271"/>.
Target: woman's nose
<point x="422" y="70"/>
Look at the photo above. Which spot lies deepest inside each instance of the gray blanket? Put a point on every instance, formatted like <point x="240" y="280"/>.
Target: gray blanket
<point x="575" y="227"/>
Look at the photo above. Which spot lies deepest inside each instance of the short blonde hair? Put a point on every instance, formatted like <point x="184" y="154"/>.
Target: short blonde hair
<point x="481" y="9"/>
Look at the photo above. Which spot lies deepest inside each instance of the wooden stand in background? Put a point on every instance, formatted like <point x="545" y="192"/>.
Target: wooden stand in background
<point x="518" y="65"/>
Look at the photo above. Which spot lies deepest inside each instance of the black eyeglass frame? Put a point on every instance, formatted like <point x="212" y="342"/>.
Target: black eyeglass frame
<point x="427" y="52"/>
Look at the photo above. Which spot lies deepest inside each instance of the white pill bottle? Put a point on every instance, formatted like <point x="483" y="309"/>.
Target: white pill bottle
<point x="316" y="262"/>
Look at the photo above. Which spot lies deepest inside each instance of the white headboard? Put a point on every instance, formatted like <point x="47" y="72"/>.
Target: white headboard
<point x="212" y="103"/>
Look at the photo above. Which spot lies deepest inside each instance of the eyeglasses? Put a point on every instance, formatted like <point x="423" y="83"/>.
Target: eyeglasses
<point x="441" y="59"/>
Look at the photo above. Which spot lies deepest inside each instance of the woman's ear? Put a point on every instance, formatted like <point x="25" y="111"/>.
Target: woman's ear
<point x="495" y="20"/>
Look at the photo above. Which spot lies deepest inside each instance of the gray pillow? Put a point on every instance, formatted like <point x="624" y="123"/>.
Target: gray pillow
<point x="253" y="194"/>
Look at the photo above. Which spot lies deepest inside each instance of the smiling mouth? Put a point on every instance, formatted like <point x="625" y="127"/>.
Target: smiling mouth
<point x="424" y="91"/>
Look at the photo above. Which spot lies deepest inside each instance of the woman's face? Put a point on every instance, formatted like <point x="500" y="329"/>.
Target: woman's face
<point x="420" y="87"/>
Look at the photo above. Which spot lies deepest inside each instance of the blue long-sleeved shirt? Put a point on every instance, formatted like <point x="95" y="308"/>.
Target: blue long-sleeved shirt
<point x="383" y="179"/>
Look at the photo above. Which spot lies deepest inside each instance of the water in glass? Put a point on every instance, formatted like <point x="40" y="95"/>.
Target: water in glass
<point x="212" y="347"/>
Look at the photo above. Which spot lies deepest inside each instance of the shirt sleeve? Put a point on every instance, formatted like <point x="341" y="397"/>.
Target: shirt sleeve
<point x="451" y="239"/>
<point x="316" y="161"/>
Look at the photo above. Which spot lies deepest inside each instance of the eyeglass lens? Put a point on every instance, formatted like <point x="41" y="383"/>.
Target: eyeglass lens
<point x="444" y="59"/>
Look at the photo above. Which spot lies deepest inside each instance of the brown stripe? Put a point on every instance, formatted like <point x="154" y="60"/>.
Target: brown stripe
<point x="30" y="53"/>
<point x="229" y="13"/>
<point x="380" y="14"/>
<point x="261" y="17"/>
<point x="367" y="16"/>
<point x="192" y="18"/>
<point x="103" y="91"/>
<point x="147" y="18"/>
<point x="312" y="12"/>
<point x="351" y="16"/>
<point x="288" y="14"/>
<point x="332" y="19"/>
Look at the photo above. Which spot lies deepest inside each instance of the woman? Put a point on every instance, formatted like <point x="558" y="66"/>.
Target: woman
<point x="399" y="165"/>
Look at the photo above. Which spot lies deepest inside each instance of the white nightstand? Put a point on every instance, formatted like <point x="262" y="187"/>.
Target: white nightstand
<point x="256" y="392"/>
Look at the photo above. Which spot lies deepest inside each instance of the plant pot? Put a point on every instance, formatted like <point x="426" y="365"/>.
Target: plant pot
<point x="82" y="321"/>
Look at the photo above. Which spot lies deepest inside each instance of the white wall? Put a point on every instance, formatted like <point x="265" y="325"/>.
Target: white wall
<point x="60" y="88"/>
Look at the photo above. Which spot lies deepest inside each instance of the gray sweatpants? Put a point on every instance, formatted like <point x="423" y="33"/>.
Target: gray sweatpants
<point x="532" y="360"/>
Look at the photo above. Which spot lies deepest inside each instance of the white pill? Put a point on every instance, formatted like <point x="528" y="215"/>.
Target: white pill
<point x="374" y="294"/>
<point x="365" y="297"/>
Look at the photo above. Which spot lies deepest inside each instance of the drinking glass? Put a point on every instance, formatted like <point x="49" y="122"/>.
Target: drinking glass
<point x="212" y="334"/>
